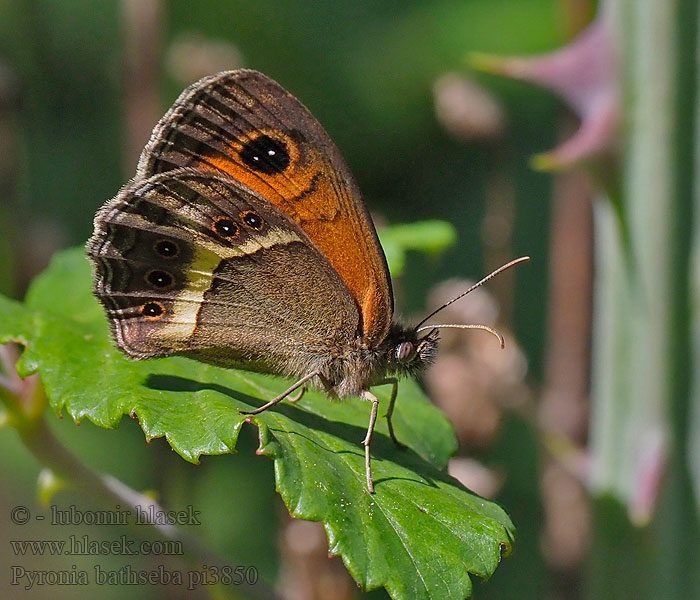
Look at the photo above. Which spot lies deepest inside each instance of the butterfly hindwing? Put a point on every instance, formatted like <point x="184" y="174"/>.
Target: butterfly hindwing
<point x="199" y="264"/>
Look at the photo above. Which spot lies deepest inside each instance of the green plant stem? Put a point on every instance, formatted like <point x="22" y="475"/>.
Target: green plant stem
<point x="642" y="354"/>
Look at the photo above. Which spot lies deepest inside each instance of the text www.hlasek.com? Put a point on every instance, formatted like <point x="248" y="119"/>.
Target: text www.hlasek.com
<point x="84" y="546"/>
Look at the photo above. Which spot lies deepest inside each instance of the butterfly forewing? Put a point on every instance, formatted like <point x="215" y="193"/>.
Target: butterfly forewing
<point x="245" y="125"/>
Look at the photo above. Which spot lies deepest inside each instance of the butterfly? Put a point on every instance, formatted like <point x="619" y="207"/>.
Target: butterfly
<point x="243" y="241"/>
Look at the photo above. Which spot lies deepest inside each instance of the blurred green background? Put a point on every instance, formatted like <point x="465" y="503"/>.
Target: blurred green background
<point x="83" y="82"/>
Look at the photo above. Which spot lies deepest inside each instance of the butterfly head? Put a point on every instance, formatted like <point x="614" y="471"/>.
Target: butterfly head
<point x="410" y="353"/>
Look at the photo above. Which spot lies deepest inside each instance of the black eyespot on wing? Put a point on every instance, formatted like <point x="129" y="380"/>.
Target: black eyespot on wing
<point x="265" y="155"/>
<point x="252" y="220"/>
<point x="166" y="248"/>
<point x="159" y="279"/>
<point x="153" y="310"/>
<point x="225" y="227"/>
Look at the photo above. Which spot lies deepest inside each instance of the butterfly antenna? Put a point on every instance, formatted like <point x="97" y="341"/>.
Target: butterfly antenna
<point x="458" y="326"/>
<point x="505" y="267"/>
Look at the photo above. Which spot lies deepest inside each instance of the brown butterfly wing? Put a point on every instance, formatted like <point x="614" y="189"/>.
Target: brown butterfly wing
<point x="194" y="263"/>
<point x="246" y="125"/>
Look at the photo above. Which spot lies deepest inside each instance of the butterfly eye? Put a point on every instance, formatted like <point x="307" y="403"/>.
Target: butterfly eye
<point x="405" y="351"/>
<point x="266" y="155"/>
<point x="152" y="310"/>
<point x="159" y="279"/>
<point x="252" y="220"/>
<point x="225" y="227"/>
<point x="166" y="248"/>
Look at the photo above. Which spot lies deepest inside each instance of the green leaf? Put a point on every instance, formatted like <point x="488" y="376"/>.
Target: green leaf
<point x="419" y="535"/>
<point x="430" y="237"/>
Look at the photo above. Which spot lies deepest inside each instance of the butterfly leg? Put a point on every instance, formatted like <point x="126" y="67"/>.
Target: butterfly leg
<point x="390" y="411"/>
<point x="282" y="396"/>
<point x="326" y="385"/>
<point x="297" y="397"/>
<point x="366" y="395"/>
